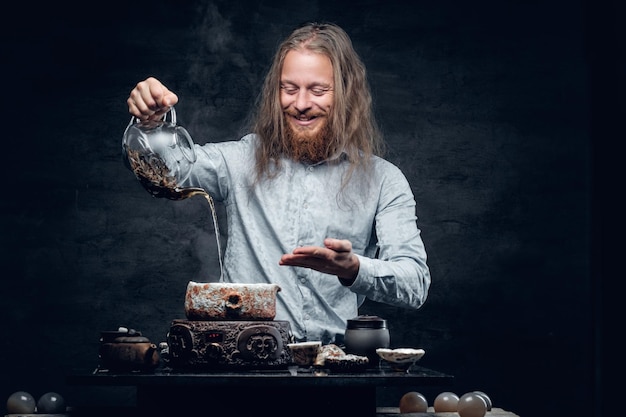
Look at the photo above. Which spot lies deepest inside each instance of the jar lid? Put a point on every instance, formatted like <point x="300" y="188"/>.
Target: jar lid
<point x="367" y="322"/>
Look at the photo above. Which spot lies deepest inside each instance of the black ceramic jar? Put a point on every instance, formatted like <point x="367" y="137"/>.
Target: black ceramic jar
<point x="365" y="334"/>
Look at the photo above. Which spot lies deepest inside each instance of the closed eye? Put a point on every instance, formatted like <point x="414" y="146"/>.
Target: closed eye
<point x="319" y="91"/>
<point x="289" y="89"/>
<point x="315" y="90"/>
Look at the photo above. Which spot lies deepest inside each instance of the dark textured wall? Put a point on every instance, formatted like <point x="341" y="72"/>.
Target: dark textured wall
<point x="485" y="106"/>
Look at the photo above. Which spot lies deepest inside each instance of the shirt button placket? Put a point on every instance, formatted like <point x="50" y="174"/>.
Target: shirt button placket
<point x="305" y="237"/>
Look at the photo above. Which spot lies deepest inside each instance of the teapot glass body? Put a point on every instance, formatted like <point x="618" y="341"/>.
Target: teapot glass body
<point x="161" y="154"/>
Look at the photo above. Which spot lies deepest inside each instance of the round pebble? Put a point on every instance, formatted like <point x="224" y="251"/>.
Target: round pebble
<point x="21" y="402"/>
<point x="472" y="405"/>
<point x="413" y="402"/>
<point x="446" y="402"/>
<point x="486" y="398"/>
<point x="51" y="403"/>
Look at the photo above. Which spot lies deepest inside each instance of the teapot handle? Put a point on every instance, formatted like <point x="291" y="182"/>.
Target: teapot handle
<point x="134" y="120"/>
<point x="171" y="111"/>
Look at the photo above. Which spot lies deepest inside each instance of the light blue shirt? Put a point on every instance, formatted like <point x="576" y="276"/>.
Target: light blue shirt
<point x="301" y="206"/>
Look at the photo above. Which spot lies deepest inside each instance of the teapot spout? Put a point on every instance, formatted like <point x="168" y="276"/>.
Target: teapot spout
<point x="171" y="193"/>
<point x="182" y="193"/>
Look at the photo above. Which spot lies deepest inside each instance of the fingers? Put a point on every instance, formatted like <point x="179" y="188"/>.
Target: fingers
<point x="150" y="99"/>
<point x="306" y="261"/>
<point x="343" y="264"/>
<point x="334" y="252"/>
<point x="338" y="245"/>
<point x="332" y="248"/>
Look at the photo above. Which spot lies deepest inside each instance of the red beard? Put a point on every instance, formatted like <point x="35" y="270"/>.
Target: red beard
<point x="306" y="146"/>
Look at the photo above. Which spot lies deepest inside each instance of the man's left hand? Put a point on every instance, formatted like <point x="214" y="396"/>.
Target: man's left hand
<point x="335" y="258"/>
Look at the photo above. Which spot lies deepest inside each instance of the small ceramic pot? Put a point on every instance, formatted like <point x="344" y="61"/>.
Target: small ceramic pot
<point x="365" y="334"/>
<point x="124" y="351"/>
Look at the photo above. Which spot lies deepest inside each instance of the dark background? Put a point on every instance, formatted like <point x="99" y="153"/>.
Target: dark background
<point x="497" y="112"/>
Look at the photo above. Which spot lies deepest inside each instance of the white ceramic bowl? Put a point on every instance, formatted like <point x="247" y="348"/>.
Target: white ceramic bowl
<point x="400" y="358"/>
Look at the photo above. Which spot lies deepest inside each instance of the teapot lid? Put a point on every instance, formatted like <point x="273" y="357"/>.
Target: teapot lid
<point x="367" y="322"/>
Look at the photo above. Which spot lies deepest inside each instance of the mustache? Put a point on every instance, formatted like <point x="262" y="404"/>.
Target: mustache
<point x="307" y="114"/>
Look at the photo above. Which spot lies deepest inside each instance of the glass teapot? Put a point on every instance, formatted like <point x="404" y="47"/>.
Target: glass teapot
<point x="161" y="155"/>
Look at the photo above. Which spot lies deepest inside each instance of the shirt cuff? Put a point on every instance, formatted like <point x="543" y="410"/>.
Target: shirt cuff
<point x="365" y="270"/>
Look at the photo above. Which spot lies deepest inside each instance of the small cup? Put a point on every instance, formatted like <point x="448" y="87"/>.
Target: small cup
<point x="304" y="353"/>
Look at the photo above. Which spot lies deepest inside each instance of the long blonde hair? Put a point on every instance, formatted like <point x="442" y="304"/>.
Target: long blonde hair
<point x="351" y="122"/>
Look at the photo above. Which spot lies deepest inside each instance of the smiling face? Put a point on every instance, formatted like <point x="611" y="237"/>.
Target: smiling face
<point x="306" y="97"/>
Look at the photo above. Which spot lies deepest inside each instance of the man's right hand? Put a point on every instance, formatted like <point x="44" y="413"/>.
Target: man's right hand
<point x="150" y="99"/>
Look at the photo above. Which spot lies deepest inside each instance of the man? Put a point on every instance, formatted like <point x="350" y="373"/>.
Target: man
<point x="309" y="204"/>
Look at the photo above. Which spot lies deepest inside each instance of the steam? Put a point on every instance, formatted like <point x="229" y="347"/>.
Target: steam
<point x="218" y="74"/>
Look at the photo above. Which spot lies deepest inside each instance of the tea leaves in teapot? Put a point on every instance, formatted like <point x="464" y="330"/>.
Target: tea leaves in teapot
<point x="153" y="174"/>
